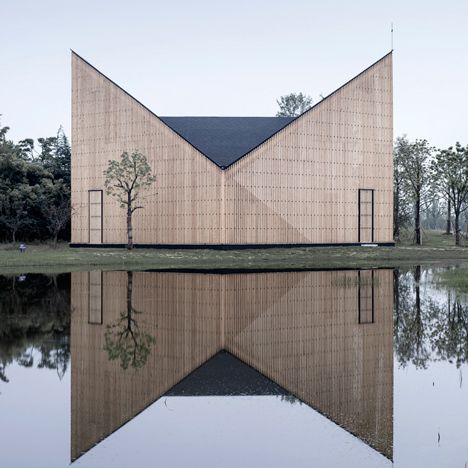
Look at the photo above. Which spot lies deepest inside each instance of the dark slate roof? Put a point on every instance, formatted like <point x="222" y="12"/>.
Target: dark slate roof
<point x="224" y="140"/>
<point x="225" y="375"/>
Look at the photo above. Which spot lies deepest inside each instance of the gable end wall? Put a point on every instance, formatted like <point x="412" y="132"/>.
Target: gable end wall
<point x="299" y="187"/>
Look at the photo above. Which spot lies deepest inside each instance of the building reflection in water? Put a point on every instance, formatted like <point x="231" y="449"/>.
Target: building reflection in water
<point x="324" y="336"/>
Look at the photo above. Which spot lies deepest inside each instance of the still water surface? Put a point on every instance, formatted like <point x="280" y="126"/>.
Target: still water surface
<point x="319" y="368"/>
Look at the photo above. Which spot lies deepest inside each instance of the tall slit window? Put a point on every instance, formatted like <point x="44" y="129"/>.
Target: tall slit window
<point x="95" y="297"/>
<point x="366" y="296"/>
<point x="366" y="215"/>
<point x="95" y="216"/>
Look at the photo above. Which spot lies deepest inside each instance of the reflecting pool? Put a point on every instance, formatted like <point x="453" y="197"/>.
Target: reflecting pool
<point x="357" y="368"/>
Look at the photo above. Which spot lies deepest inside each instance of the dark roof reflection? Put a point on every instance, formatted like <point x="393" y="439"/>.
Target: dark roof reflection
<point x="225" y="375"/>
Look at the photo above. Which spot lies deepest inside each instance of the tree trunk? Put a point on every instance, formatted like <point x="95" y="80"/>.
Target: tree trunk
<point x="55" y="240"/>
<point x="129" y="222"/>
<point x="457" y="228"/>
<point x="449" y="302"/>
<point x="13" y="236"/>
<point x="396" y="217"/>
<point x="417" y="306"/>
<point x="417" y="220"/>
<point x="448" y="228"/>
<point x="129" y="296"/>
<point x="396" y="295"/>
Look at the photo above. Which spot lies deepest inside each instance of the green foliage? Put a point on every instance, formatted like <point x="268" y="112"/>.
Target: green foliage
<point x="124" y="181"/>
<point x="412" y="180"/>
<point x="56" y="207"/>
<point x="450" y="176"/>
<point x="414" y="159"/>
<point x="126" y="178"/>
<point x="55" y="156"/>
<point x="428" y="188"/>
<point x="124" y="341"/>
<point x="35" y="322"/>
<point x="293" y="104"/>
<point x="32" y="185"/>
<point x="429" y="327"/>
<point x="401" y="201"/>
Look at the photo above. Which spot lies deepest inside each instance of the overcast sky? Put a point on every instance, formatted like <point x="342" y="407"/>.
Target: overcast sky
<point x="215" y="57"/>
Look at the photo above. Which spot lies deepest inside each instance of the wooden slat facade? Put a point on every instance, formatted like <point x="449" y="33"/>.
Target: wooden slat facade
<point x="300" y="329"/>
<point x="301" y="186"/>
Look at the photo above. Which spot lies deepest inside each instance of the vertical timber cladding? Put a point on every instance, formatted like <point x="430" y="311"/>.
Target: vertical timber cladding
<point x="299" y="186"/>
<point x="182" y="207"/>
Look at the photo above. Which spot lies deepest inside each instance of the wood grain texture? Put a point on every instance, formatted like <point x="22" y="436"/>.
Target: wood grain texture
<point x="300" y="329"/>
<point x="299" y="186"/>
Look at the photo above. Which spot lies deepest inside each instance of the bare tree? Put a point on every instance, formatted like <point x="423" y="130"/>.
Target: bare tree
<point x="125" y="179"/>
<point x="57" y="212"/>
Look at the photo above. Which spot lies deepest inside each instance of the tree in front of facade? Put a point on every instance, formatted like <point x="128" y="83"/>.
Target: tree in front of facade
<point x="125" y="180"/>
<point x="450" y="173"/>
<point x="293" y="104"/>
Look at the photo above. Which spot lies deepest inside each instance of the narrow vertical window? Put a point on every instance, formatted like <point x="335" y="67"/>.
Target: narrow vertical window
<point x="366" y="215"/>
<point x="366" y="296"/>
<point x="95" y="297"/>
<point x="95" y="216"/>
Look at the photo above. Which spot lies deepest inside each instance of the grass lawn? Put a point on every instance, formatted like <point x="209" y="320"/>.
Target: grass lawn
<point x="438" y="249"/>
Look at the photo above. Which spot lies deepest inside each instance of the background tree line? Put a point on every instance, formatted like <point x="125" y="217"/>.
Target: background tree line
<point x="34" y="188"/>
<point x="430" y="322"/>
<point x="430" y="188"/>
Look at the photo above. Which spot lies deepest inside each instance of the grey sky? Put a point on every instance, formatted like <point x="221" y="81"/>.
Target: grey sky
<point x="214" y="57"/>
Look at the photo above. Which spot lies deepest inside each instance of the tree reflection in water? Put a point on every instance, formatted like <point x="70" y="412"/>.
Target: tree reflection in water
<point x="35" y="322"/>
<point x="429" y="325"/>
<point x="124" y="340"/>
